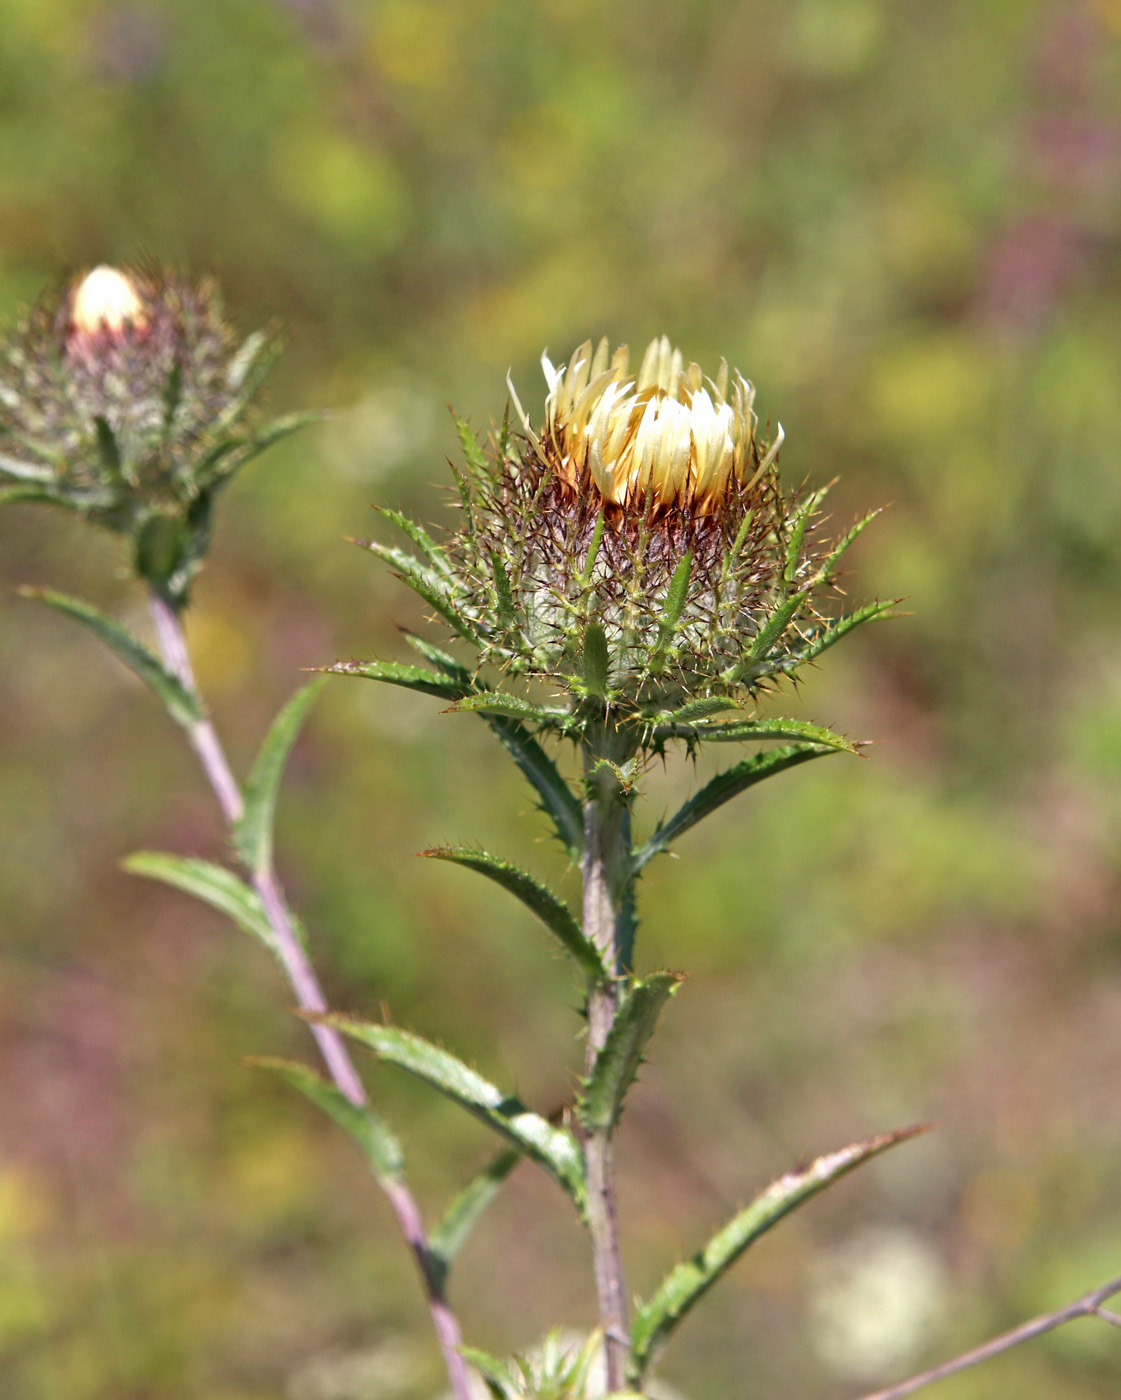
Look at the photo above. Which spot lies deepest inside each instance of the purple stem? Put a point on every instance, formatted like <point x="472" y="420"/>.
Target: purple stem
<point x="309" y="995"/>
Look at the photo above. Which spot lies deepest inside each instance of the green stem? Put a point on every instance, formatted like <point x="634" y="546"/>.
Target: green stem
<point x="608" y="922"/>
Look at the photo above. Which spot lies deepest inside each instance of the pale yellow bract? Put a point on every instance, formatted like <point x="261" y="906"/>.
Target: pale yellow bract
<point x="668" y="436"/>
<point x="106" y="299"/>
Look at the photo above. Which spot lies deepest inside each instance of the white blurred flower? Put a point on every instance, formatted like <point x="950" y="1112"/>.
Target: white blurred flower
<point x="876" y="1301"/>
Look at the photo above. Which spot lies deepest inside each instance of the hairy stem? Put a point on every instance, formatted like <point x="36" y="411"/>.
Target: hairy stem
<point x="607" y="881"/>
<point x="1089" y="1305"/>
<point x="305" y="985"/>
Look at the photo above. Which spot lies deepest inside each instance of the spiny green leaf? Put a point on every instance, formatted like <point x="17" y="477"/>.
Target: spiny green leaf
<point x="689" y="1281"/>
<point x="798" y="534"/>
<point x="430" y="585"/>
<point x="695" y="709"/>
<point x="378" y="1143"/>
<point x="213" y="884"/>
<point x="597" y="660"/>
<point x="835" y="628"/>
<point x="180" y="703"/>
<point x="495" y="702"/>
<point x="769" y="634"/>
<point x="722" y="789"/>
<point x="476" y="457"/>
<point x="740" y="731"/>
<point x="617" y="1064"/>
<point x="419" y="536"/>
<point x="557" y="798"/>
<point x="829" y="564"/>
<point x="504" y="594"/>
<point x="442" y="660"/>
<point x="393" y="673"/>
<point x="253" y="834"/>
<point x="549" y="908"/>
<point x="584" y="578"/>
<point x="450" y="1233"/>
<point x="676" y="594"/>
<point x="554" y="1149"/>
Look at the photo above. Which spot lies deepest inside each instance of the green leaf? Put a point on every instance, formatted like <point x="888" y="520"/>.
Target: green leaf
<point x="433" y="587"/>
<point x="584" y="577"/>
<point x="722" y="789"/>
<point x="741" y="731"/>
<point x="495" y="702"/>
<point x="253" y="834"/>
<point x="617" y="1064"/>
<point x="476" y="458"/>
<point x="676" y="594"/>
<point x="825" y="573"/>
<point x="554" y="1149"/>
<point x="451" y="1231"/>
<point x="180" y="703"/>
<point x="37" y="495"/>
<point x="504" y="594"/>
<point x="798" y="535"/>
<point x="689" y="1281"/>
<point x="835" y="628"/>
<point x="597" y="661"/>
<point x="549" y="908"/>
<point x="419" y="536"/>
<point x="769" y="633"/>
<point x="556" y="797"/>
<point x="172" y="397"/>
<point x="213" y="884"/>
<point x="376" y="1140"/>
<point x="107" y="446"/>
<point x="393" y="673"/>
<point x="694" y="710"/>
<point x="442" y="660"/>
<point x="497" y="1375"/>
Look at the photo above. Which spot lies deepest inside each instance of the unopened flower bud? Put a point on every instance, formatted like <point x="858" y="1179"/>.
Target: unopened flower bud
<point x="106" y="300"/>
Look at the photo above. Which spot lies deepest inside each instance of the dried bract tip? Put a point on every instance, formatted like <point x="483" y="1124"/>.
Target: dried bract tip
<point x="106" y="300"/>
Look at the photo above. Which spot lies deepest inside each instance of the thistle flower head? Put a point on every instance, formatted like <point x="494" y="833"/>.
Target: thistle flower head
<point x="125" y="396"/>
<point x="637" y="552"/>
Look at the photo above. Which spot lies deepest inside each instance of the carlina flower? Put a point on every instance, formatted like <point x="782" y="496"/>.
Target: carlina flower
<point x="125" y="395"/>
<point x="668" y="436"/>
<point x="636" y="553"/>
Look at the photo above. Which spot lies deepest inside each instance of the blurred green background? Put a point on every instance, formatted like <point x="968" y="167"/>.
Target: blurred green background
<point x="901" y="220"/>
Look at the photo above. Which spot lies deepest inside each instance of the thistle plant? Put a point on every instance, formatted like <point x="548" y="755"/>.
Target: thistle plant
<point x="628" y="578"/>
